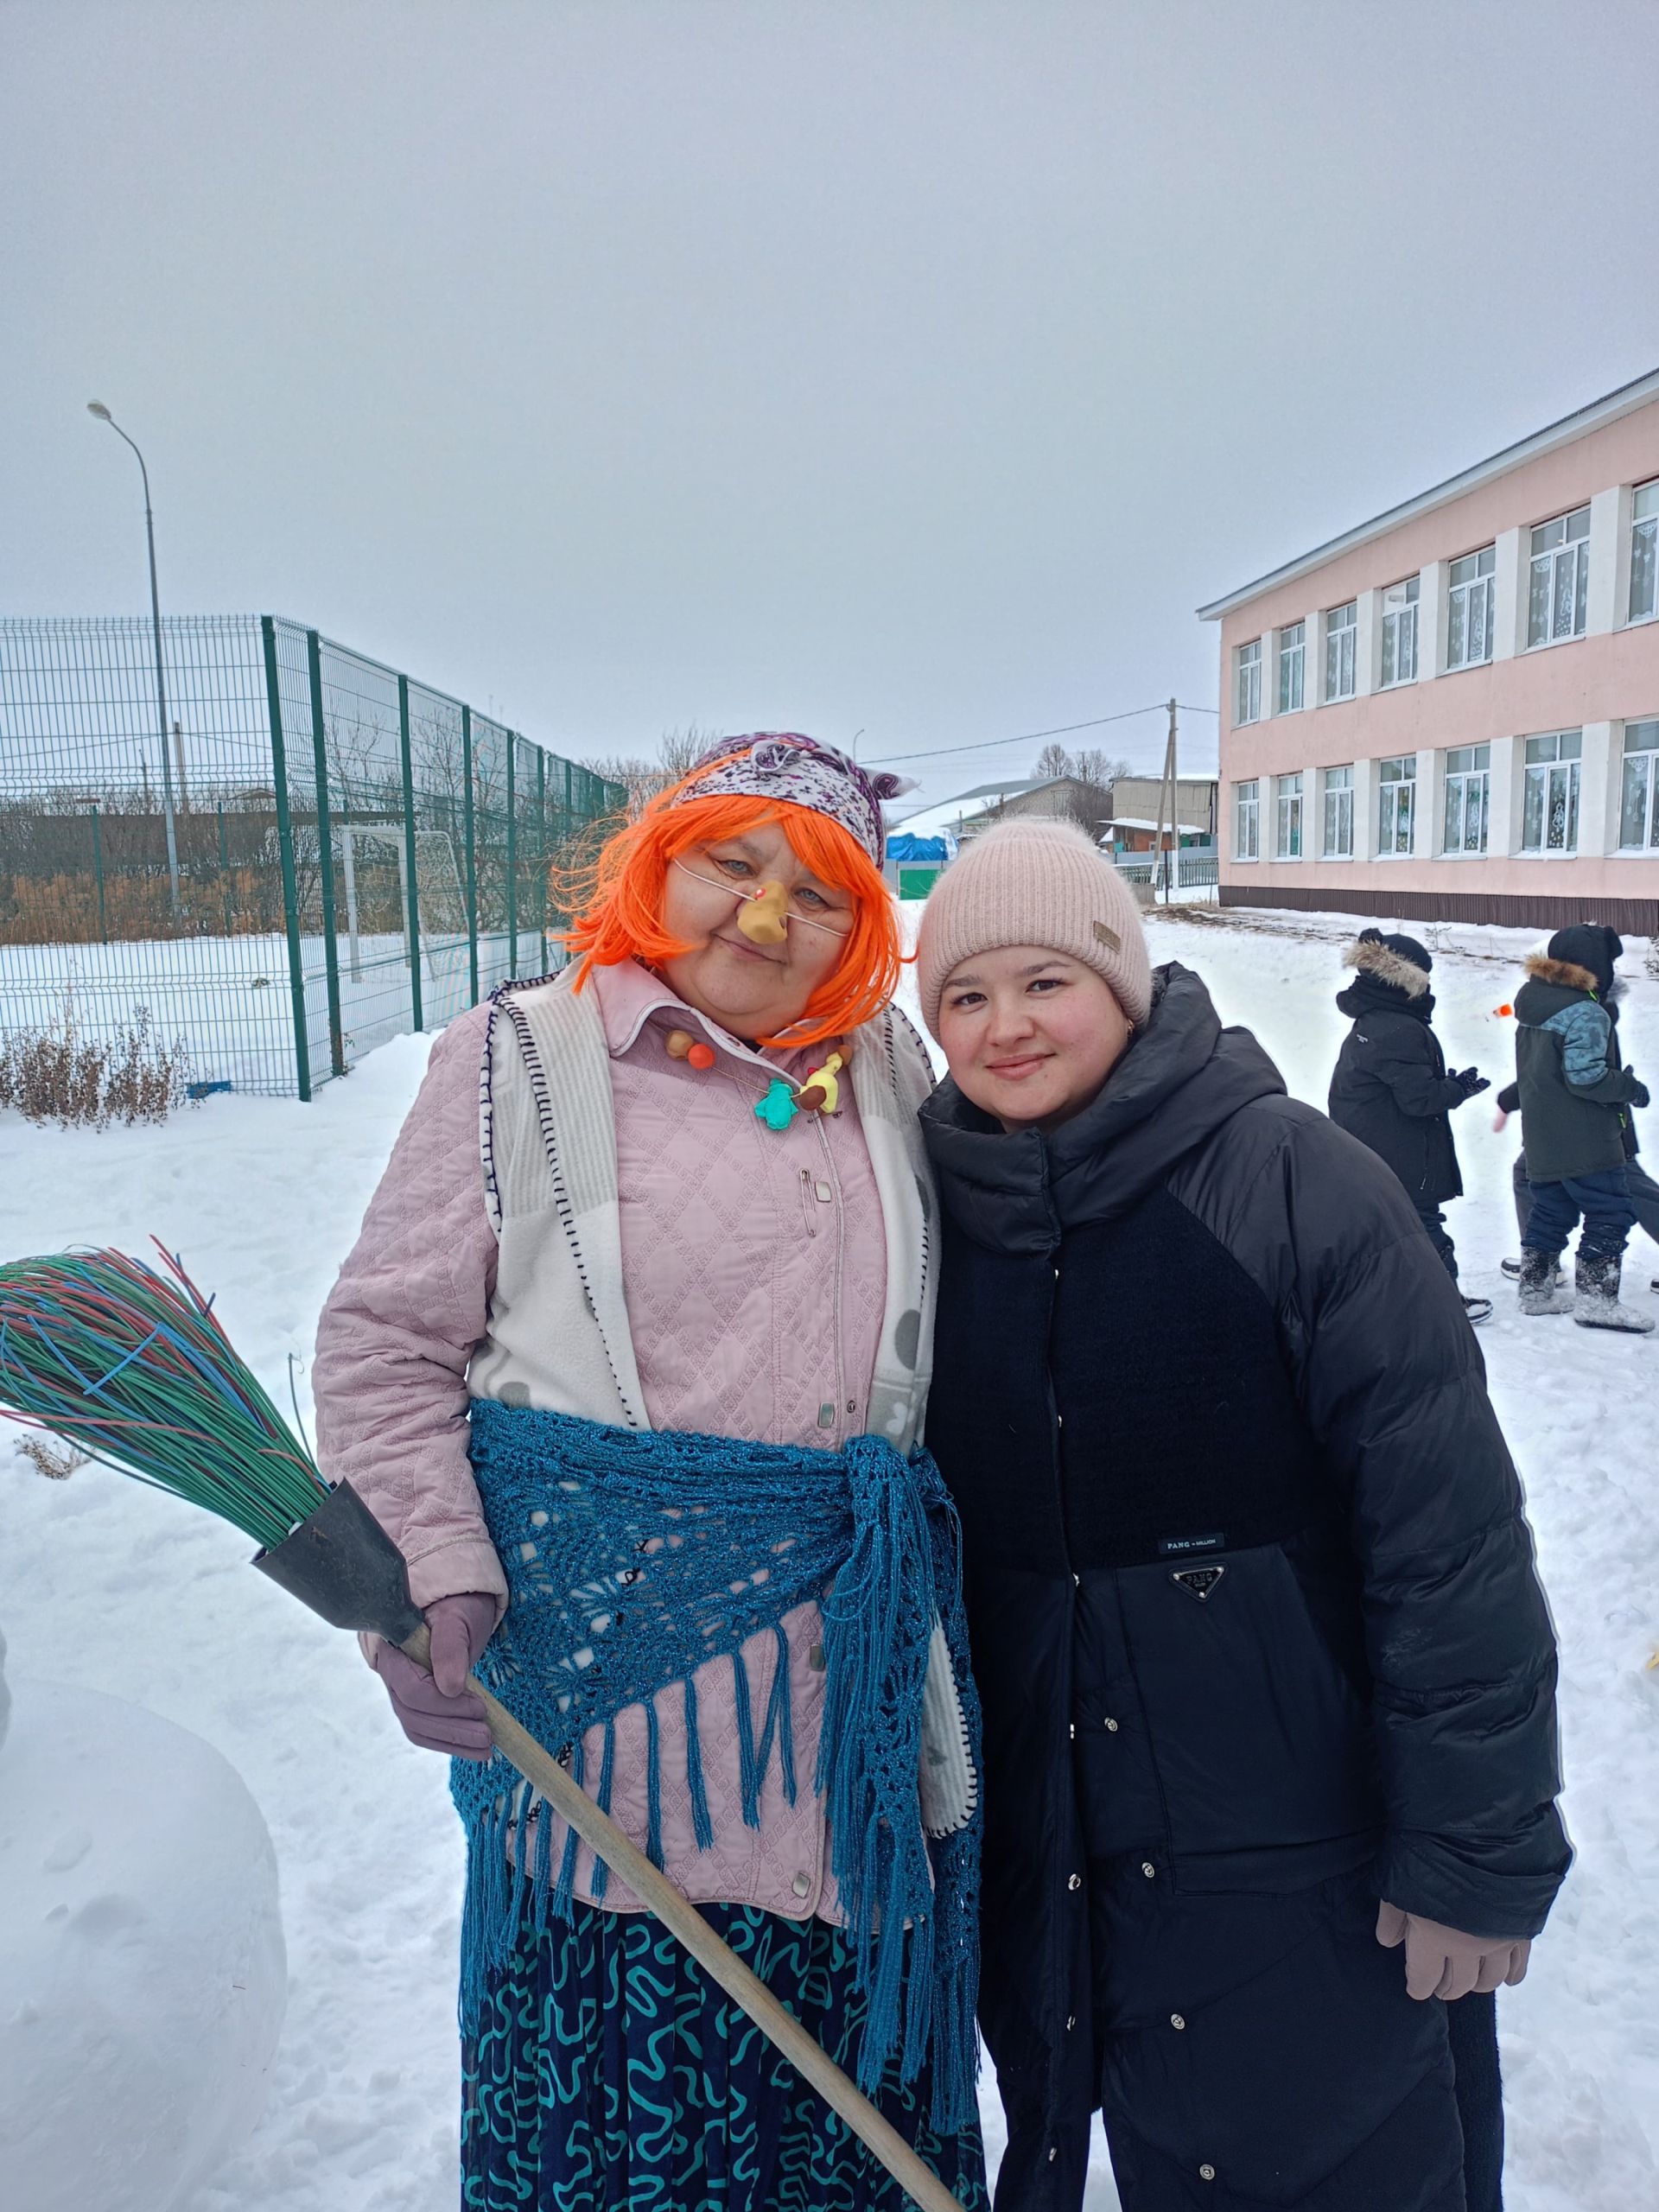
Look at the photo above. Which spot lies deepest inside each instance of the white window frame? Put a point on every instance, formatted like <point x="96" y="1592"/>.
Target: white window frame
<point x="1247" y="696"/>
<point x="1544" y="774"/>
<point x="1341" y="651"/>
<point x="1468" y="788"/>
<point x="1339" y="814"/>
<point x="1400" y="632"/>
<point x="1397" y="807"/>
<point x="1647" y="842"/>
<point x="1292" y="671"/>
<point x="1644" y="553"/>
<point x="1288" y="816"/>
<point x="1247" y="819"/>
<point x="1468" y="596"/>
<point x="1558" y="561"/>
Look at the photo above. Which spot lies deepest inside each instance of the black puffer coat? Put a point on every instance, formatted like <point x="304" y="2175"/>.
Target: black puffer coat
<point x="1390" y="1089"/>
<point x="1198" y="1328"/>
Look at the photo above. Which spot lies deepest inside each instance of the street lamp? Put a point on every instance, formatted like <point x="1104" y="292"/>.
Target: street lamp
<point x="97" y="407"/>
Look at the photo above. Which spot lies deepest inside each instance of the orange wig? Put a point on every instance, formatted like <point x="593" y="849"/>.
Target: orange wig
<point x="621" y="899"/>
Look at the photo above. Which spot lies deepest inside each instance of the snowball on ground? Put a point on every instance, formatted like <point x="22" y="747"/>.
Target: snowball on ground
<point x="142" y="1974"/>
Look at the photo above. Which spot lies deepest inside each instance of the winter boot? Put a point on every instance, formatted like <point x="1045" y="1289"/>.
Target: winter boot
<point x="1478" y="1309"/>
<point x="1597" y="1305"/>
<point x="1539" y="1278"/>
<point x="1512" y="1268"/>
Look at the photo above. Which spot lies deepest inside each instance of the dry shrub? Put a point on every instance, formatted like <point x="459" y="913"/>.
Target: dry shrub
<point x="57" y="1074"/>
<point x="56" y="1461"/>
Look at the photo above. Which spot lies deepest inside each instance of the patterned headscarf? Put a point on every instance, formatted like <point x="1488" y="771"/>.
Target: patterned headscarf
<point x="782" y="765"/>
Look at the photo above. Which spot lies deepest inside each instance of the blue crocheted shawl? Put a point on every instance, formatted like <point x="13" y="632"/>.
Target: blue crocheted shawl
<point x="632" y="1558"/>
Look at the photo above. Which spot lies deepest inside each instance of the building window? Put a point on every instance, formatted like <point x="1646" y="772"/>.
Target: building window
<point x="1638" y="817"/>
<point x="1249" y="682"/>
<point x="1644" y="552"/>
<point x="1246" y="822"/>
<point x="1549" y="814"/>
<point x="1469" y="610"/>
<point x="1292" y="647"/>
<point x="1341" y="634"/>
<point x="1400" y="632"/>
<point x="1339" y="814"/>
<point x="1560" y="576"/>
<point x="1289" y="792"/>
<point x="1468" y="798"/>
<point x="1396" y="800"/>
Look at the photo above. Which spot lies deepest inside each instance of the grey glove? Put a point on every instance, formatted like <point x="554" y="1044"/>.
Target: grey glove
<point x="437" y="1711"/>
<point x="1443" y="1961"/>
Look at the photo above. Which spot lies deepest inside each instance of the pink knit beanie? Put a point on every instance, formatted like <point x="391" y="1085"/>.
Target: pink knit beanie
<point x="1031" y="881"/>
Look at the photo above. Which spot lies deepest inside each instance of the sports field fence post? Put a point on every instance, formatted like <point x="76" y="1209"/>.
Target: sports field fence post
<point x="285" y="848"/>
<point x="412" y="922"/>
<point x="469" y="826"/>
<point x="325" y="853"/>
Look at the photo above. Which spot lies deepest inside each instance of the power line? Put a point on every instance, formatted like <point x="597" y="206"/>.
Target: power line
<point x="1031" y="736"/>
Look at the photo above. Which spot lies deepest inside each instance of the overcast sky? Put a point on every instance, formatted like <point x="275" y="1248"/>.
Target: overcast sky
<point x="871" y="365"/>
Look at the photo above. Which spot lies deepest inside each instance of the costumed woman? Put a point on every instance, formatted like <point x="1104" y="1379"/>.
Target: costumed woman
<point x="631" y="1359"/>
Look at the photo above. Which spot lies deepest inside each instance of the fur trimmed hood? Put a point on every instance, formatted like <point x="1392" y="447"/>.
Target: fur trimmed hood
<point x="1566" y="974"/>
<point x="1373" y="957"/>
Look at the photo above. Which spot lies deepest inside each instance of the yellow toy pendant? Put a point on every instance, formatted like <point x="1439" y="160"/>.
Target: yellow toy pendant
<point x="821" y="1092"/>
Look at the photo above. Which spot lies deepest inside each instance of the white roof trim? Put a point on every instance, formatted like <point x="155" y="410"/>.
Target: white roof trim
<point x="1624" y="401"/>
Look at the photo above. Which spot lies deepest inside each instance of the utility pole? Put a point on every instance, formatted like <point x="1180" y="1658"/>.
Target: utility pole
<point x="1168" y="812"/>
<point x="97" y="407"/>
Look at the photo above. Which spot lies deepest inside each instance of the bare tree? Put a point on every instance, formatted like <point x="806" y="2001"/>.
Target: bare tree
<point x="1054" y="761"/>
<point x="641" y="778"/>
<point x="1095" y="766"/>
<point x="676" y="752"/>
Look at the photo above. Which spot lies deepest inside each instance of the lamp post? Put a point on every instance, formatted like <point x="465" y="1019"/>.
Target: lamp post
<point x="97" y="407"/>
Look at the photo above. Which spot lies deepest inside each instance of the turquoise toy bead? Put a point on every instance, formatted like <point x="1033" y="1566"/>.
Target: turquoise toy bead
<point x="777" y="1108"/>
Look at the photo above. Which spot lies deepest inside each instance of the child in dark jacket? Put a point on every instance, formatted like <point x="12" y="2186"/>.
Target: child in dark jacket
<point x="1576" y="1097"/>
<point x="1391" y="1088"/>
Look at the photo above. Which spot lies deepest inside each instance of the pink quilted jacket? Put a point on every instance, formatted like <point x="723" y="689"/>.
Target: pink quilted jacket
<point x="754" y="1271"/>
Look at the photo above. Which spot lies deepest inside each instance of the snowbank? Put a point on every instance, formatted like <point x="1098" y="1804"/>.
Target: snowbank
<point x="141" y="1956"/>
<point x="264" y="1198"/>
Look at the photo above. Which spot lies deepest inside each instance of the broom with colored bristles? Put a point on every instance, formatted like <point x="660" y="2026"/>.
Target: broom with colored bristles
<point x="127" y="1363"/>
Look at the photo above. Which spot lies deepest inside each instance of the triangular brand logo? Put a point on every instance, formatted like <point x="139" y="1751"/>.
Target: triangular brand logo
<point x="1197" y="1581"/>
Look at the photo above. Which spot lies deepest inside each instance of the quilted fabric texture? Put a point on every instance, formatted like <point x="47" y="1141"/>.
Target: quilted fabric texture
<point x="754" y="1272"/>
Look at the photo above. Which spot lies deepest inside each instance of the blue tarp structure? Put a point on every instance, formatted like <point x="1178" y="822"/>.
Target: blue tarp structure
<point x="936" y="850"/>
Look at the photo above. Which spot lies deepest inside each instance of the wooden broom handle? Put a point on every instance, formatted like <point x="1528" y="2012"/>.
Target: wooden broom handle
<point x="681" y="1917"/>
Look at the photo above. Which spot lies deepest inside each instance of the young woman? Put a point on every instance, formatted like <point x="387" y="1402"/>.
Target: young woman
<point x="644" y="1218"/>
<point x="1268" y="1679"/>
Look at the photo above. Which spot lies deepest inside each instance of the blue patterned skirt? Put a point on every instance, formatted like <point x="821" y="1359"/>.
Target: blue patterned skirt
<point x="610" y="2074"/>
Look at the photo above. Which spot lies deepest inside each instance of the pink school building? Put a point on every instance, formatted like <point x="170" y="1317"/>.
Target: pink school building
<point x="1451" y="712"/>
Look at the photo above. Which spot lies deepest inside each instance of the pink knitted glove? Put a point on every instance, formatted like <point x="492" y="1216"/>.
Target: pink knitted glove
<point x="437" y="1711"/>
<point x="1442" y="1961"/>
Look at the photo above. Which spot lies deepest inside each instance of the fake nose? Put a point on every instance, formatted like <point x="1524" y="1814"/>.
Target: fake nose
<point x="764" y="919"/>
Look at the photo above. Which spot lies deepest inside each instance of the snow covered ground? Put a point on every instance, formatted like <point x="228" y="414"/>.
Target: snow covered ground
<point x="106" y="1586"/>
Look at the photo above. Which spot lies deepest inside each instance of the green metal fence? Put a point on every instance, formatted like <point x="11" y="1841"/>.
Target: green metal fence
<point x="330" y="854"/>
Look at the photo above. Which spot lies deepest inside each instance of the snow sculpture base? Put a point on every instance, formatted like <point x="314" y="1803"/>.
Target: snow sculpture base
<point x="142" y="1974"/>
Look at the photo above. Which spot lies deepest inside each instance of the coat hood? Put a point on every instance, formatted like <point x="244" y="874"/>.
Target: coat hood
<point x="1587" y="945"/>
<point x="1564" y="975"/>
<point x="1391" y="978"/>
<point x="1399" y="962"/>
<point x="1181" y="1078"/>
